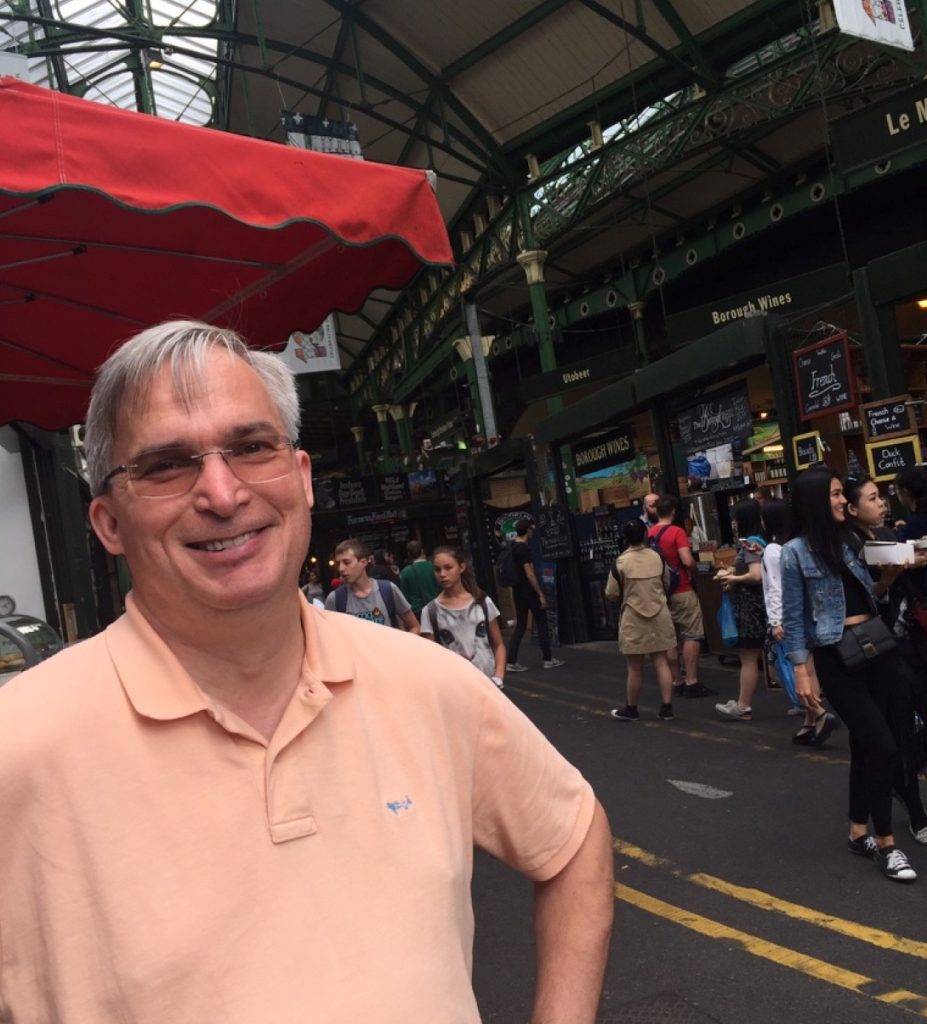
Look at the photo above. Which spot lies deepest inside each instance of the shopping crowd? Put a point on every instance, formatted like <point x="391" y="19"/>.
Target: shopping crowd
<point x="845" y="628"/>
<point x="846" y="635"/>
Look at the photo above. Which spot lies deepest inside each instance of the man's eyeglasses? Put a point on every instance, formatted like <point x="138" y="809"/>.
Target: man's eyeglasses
<point x="170" y="472"/>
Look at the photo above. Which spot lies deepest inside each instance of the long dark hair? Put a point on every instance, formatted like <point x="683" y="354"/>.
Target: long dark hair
<point x="467" y="577"/>
<point x="746" y="514"/>
<point x="776" y="517"/>
<point x="852" y="489"/>
<point x="914" y="481"/>
<point x="813" y="520"/>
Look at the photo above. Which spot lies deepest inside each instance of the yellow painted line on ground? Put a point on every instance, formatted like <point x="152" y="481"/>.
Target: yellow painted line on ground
<point x="781" y="955"/>
<point x="766" y="901"/>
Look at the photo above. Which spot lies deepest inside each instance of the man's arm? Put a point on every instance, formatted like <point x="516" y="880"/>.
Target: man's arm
<point x="532" y="578"/>
<point x="573" y="913"/>
<point x="684" y="552"/>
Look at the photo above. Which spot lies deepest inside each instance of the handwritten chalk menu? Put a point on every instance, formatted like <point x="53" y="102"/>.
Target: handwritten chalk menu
<point x="824" y="377"/>
<point x="554" y="533"/>
<point x="888" y="418"/>
<point x="807" y="449"/>
<point x="721" y="417"/>
<point x="886" y="458"/>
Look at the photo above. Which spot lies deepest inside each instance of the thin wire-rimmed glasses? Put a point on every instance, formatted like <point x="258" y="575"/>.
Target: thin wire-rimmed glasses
<point x="171" y="472"/>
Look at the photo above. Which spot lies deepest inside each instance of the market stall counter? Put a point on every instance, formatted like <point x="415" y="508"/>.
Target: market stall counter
<point x="708" y="591"/>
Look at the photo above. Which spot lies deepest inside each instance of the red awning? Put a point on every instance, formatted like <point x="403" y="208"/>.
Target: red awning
<point x="111" y="221"/>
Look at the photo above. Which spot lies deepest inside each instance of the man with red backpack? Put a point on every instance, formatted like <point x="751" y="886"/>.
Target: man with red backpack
<point x="673" y="544"/>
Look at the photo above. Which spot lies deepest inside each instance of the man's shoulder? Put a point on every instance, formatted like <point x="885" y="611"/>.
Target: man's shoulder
<point x="672" y="537"/>
<point x="52" y="696"/>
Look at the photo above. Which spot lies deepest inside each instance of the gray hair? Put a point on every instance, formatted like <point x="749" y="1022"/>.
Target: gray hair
<point x="127" y="374"/>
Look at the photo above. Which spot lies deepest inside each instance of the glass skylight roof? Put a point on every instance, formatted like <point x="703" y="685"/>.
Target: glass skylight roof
<point x="100" y="49"/>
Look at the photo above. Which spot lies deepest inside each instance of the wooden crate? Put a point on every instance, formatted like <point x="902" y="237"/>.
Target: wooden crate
<point x="588" y="500"/>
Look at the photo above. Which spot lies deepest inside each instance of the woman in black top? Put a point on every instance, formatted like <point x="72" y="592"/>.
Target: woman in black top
<point x="866" y="512"/>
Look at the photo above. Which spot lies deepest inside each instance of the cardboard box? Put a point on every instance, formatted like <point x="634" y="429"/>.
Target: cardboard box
<point x="887" y="552"/>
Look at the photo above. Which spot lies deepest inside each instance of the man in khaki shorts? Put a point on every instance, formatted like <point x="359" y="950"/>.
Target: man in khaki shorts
<point x="673" y="544"/>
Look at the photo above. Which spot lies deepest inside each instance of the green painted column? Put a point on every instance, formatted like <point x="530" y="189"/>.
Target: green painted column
<point x="403" y="429"/>
<point x="382" y="414"/>
<point x="531" y="260"/>
<point x="636" y="309"/>
<point x="884" y="363"/>
<point x="358" y="434"/>
<point x="464" y="348"/>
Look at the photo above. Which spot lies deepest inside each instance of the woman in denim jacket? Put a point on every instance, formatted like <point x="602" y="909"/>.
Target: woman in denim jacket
<point x="825" y="589"/>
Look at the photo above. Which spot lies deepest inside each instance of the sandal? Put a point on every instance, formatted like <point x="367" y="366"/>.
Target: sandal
<point x="820" y="735"/>
<point x="804" y="736"/>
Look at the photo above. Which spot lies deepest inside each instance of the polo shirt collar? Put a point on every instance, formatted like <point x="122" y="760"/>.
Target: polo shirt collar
<point x="159" y="687"/>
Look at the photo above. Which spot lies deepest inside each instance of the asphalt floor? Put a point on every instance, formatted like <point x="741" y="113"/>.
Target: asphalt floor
<point x="735" y="899"/>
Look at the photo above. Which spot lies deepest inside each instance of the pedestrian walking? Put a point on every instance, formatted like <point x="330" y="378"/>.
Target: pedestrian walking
<point x="462" y="617"/>
<point x="639" y="580"/>
<point x="818" y="723"/>
<point x="529" y="598"/>
<point x="829" y="603"/>
<point x="673" y="544"/>
<point x="376" y="600"/>
<point x="417" y="580"/>
<point x="744" y="583"/>
<point x="312" y="588"/>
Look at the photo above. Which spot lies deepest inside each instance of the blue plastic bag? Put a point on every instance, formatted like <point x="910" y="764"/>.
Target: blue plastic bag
<point x="730" y="636"/>
<point x="785" y="671"/>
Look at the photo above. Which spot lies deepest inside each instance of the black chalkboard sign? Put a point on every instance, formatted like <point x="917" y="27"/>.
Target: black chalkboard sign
<point x="886" y="458"/>
<point x="824" y="377"/>
<point x="554" y="533"/>
<point x="888" y="418"/>
<point x="807" y="449"/>
<point x="718" y="419"/>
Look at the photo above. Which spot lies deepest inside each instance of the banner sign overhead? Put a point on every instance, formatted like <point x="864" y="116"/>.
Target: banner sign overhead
<point x="882" y="21"/>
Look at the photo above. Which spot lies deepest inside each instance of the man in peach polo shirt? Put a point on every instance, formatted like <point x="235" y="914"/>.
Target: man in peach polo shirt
<point x="232" y="807"/>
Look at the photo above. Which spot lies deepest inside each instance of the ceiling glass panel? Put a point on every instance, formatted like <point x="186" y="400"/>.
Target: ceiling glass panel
<point x="100" y="49"/>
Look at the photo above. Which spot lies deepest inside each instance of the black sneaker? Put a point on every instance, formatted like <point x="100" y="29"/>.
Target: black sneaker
<point x="666" y="712"/>
<point x="894" y="864"/>
<point x="678" y="689"/>
<point x="862" y="846"/>
<point x="625" y="714"/>
<point x="698" y="690"/>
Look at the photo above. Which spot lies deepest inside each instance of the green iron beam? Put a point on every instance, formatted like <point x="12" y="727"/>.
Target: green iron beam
<point x="747" y="138"/>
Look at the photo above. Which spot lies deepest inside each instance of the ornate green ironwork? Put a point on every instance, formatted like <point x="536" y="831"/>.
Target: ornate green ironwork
<point x="761" y="93"/>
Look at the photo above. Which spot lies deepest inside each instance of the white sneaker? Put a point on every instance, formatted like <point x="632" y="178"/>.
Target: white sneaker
<point x="920" y="836"/>
<point x="514" y="666"/>
<point x="553" y="663"/>
<point x="795" y="711"/>
<point x="734" y="711"/>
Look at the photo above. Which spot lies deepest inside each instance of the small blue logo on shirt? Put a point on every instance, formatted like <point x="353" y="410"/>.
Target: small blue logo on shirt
<point x="399" y="805"/>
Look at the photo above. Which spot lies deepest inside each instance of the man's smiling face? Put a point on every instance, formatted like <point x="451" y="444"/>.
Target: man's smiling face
<point x="224" y="545"/>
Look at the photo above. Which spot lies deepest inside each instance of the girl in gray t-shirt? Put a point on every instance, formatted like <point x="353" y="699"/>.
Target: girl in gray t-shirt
<point x="462" y="618"/>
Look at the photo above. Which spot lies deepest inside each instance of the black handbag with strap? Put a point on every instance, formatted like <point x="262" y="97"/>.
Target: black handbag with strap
<point x="863" y="642"/>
